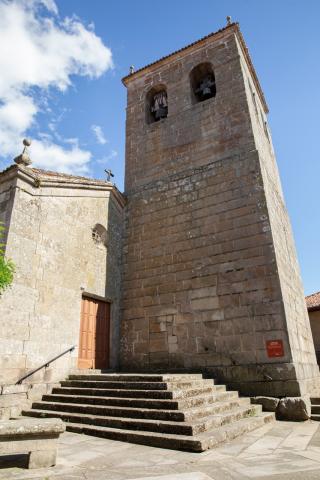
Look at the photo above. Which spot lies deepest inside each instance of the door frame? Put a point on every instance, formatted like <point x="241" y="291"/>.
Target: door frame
<point x="93" y="296"/>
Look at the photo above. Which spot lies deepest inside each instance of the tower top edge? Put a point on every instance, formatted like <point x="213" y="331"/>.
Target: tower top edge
<point x="230" y="28"/>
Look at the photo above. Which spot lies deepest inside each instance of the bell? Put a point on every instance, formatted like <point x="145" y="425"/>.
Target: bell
<point x="161" y="112"/>
<point x="206" y="90"/>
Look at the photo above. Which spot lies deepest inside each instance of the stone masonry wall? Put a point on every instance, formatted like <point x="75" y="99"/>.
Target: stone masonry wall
<point x="57" y="260"/>
<point x="298" y="323"/>
<point x="7" y="192"/>
<point x="315" y="328"/>
<point x="201" y="282"/>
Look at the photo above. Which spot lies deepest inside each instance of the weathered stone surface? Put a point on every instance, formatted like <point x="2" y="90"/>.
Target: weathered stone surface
<point x="12" y="389"/>
<point x="31" y="426"/>
<point x="42" y="458"/>
<point x="294" y="408"/>
<point x="50" y="220"/>
<point x="294" y="457"/>
<point x="269" y="404"/>
<point x="36" y="437"/>
<point x="13" y="399"/>
<point x="208" y="243"/>
<point x="138" y="415"/>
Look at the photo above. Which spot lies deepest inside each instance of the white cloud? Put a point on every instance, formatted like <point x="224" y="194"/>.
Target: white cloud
<point x="48" y="155"/>
<point x="97" y="130"/>
<point x="104" y="160"/>
<point x="39" y="51"/>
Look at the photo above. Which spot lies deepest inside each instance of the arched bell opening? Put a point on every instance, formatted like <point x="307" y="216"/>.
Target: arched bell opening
<point x="203" y="83"/>
<point x="156" y="104"/>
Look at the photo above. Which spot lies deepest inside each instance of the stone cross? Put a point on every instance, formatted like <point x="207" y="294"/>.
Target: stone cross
<point x="109" y="174"/>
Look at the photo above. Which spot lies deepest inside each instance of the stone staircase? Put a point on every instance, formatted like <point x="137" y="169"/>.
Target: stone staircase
<point x="315" y="408"/>
<point x="177" y="411"/>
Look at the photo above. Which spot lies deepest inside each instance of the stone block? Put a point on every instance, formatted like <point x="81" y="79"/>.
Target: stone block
<point x="36" y="437"/>
<point x="12" y="361"/>
<point x="42" y="458"/>
<point x="269" y="404"/>
<point x="10" y="389"/>
<point x="12" y="399"/>
<point x="173" y="348"/>
<point x="157" y="325"/>
<point x="9" y="346"/>
<point x="158" y="342"/>
<point x="15" y="411"/>
<point x="203" y="304"/>
<point x="294" y="408"/>
<point x="141" y="347"/>
<point x="5" y="413"/>
<point x="36" y="391"/>
<point x="203" y="292"/>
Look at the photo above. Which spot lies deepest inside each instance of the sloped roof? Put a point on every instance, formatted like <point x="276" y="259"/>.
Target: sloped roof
<point x="131" y="75"/>
<point x="313" y="301"/>
<point x="49" y="175"/>
<point x="38" y="176"/>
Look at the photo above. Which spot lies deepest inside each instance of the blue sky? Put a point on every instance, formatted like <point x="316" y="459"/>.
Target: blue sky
<point x="75" y="52"/>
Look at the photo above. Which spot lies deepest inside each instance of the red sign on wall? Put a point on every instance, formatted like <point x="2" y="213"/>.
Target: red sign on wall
<point x="275" y="348"/>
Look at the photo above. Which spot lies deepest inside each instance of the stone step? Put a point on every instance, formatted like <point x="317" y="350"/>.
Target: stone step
<point x="137" y="377"/>
<point x="165" y="404"/>
<point x="155" y="394"/>
<point x="89" y="371"/>
<point x="180" y="411"/>
<point x="152" y="414"/>
<point x="315" y="417"/>
<point x="315" y="409"/>
<point x="198" y="443"/>
<point x="178" y="428"/>
<point x="177" y="385"/>
<point x="215" y="408"/>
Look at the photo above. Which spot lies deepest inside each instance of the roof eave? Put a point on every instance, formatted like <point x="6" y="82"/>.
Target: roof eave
<point x="38" y="180"/>
<point x="313" y="308"/>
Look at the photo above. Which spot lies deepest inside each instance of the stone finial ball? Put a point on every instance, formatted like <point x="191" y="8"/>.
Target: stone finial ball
<point x="26" y="142"/>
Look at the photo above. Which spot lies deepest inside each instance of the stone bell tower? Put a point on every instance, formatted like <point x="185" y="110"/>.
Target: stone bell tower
<point x="211" y="279"/>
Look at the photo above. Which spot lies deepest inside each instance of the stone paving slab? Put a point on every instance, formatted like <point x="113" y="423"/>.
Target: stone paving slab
<point x="278" y="451"/>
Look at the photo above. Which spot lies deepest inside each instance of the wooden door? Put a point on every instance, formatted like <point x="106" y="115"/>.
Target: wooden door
<point x="94" y="334"/>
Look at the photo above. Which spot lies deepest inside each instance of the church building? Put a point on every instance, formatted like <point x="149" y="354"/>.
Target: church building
<point x="192" y="269"/>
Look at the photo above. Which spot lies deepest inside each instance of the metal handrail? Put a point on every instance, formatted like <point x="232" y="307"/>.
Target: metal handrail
<point x="70" y="349"/>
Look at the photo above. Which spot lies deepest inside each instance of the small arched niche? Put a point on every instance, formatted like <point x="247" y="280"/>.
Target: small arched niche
<point x="156" y="104"/>
<point x="100" y="235"/>
<point x="203" y="84"/>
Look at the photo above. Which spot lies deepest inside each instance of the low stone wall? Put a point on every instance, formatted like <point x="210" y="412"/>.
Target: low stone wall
<point x="35" y="437"/>
<point x="15" y="398"/>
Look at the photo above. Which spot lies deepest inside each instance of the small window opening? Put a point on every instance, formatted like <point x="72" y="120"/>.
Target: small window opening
<point x="157" y="104"/>
<point x="99" y="234"/>
<point x="203" y="82"/>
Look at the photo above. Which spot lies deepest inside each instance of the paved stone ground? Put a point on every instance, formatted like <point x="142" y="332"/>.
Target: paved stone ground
<point x="278" y="451"/>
